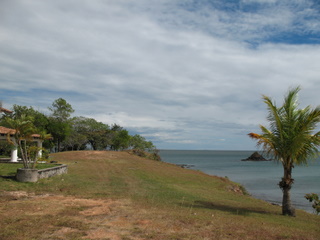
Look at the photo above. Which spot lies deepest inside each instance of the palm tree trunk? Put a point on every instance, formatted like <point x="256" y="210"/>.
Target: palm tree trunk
<point x="285" y="185"/>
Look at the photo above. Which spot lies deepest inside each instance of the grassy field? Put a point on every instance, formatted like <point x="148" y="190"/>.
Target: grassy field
<point x="115" y="195"/>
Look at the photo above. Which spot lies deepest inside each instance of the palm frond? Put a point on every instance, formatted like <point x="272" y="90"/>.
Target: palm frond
<point x="290" y="136"/>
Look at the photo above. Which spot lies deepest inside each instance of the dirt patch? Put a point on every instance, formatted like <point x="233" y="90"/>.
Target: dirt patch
<point x="71" y="217"/>
<point x="15" y="194"/>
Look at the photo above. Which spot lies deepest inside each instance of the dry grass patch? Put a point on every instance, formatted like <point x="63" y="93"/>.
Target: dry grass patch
<point x="60" y="217"/>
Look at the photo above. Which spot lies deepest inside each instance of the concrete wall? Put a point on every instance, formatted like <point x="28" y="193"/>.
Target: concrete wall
<point x="32" y="175"/>
<point x="27" y="175"/>
<point x="49" y="172"/>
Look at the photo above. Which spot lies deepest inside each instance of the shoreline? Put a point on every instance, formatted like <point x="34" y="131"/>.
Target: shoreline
<point x="272" y="202"/>
<point x="236" y="171"/>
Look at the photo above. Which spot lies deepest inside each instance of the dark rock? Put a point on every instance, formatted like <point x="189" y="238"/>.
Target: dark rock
<point x="185" y="165"/>
<point x="255" y="157"/>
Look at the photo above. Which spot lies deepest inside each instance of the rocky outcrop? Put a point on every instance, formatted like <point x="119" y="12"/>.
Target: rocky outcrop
<point x="185" y="165"/>
<point x="256" y="157"/>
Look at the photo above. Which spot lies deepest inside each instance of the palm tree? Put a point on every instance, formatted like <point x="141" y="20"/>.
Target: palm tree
<point x="23" y="134"/>
<point x="290" y="139"/>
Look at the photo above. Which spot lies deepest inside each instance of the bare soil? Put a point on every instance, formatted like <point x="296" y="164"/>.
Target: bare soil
<point x="88" y="218"/>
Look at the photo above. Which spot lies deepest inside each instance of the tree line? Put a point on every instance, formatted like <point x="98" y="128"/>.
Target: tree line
<point x="76" y="133"/>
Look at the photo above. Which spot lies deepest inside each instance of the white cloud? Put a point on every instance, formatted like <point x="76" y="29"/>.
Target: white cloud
<point x="134" y="121"/>
<point x="180" y="74"/>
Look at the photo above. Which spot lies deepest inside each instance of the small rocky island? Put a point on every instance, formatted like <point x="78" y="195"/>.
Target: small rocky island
<point x="256" y="157"/>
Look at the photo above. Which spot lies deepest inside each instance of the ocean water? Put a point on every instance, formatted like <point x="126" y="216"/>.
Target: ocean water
<point x="259" y="178"/>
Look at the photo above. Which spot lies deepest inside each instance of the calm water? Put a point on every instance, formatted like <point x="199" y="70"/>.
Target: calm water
<point x="259" y="178"/>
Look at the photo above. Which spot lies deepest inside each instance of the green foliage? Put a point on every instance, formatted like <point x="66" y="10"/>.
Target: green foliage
<point x="120" y="140"/>
<point x="40" y="120"/>
<point x="61" y="109"/>
<point x="78" y="133"/>
<point x="5" y="148"/>
<point x="59" y="130"/>
<point x="96" y="133"/>
<point x="312" y="197"/>
<point x="45" y="155"/>
<point x="22" y="137"/>
<point x="139" y="142"/>
<point x="74" y="141"/>
<point x="87" y="131"/>
<point x="289" y="138"/>
<point x="153" y="155"/>
<point x="139" y="152"/>
<point x="59" y="122"/>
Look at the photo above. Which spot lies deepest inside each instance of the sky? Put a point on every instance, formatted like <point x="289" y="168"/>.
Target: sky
<point x="184" y="74"/>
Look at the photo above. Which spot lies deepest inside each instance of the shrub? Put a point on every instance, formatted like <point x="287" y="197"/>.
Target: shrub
<point x="312" y="197"/>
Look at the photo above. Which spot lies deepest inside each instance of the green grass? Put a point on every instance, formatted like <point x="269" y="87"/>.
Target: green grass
<point x="180" y="203"/>
<point x="10" y="169"/>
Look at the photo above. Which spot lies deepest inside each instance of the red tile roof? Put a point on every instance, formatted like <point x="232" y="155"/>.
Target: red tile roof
<point x="4" y="130"/>
<point x="5" y="110"/>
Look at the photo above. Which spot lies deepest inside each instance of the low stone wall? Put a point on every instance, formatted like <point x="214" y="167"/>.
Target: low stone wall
<point x="49" y="172"/>
<point x="33" y="175"/>
<point x="5" y="160"/>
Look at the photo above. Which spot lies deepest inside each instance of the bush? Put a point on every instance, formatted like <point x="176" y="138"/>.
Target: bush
<point x="154" y="155"/>
<point x="312" y="197"/>
<point x="5" y="148"/>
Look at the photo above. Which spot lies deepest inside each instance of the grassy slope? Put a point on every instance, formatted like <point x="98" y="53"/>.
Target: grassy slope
<point x="151" y="200"/>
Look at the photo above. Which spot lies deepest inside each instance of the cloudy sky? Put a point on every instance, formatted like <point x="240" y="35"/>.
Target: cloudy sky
<point x="185" y="74"/>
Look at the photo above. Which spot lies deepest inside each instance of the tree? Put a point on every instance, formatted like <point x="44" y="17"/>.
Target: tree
<point x="23" y="133"/>
<point x="5" y="148"/>
<point x="89" y="131"/>
<point x="75" y="141"/>
<point x="120" y="140"/>
<point x="40" y="120"/>
<point x="140" y="143"/>
<point x="59" y="122"/>
<point x="314" y="198"/>
<point x="59" y="130"/>
<point x="96" y="133"/>
<point x="61" y="109"/>
<point x="290" y="139"/>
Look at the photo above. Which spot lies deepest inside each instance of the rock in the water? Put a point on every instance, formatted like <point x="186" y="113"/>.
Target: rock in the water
<point x="255" y="157"/>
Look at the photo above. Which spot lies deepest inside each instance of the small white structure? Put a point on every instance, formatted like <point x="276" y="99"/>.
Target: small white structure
<point x="8" y="132"/>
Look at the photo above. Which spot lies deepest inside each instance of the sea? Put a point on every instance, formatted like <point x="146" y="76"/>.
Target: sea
<point x="259" y="178"/>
